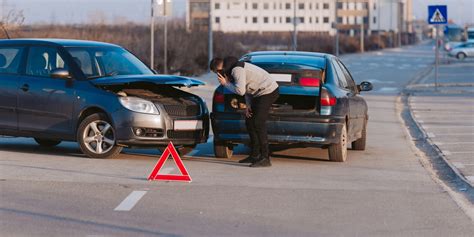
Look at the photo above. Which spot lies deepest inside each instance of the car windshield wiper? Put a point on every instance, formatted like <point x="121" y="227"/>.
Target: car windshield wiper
<point x="95" y="77"/>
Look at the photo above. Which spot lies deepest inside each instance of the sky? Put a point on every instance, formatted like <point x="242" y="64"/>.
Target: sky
<point x="87" y="11"/>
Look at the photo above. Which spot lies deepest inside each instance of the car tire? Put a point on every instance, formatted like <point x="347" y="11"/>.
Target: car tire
<point x="359" y="144"/>
<point x="338" y="152"/>
<point x="47" y="142"/>
<point x="461" y="56"/>
<point x="222" y="150"/>
<point x="96" y="137"/>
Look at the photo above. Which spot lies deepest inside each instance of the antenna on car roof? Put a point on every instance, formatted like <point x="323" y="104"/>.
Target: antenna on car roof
<point x="5" y="30"/>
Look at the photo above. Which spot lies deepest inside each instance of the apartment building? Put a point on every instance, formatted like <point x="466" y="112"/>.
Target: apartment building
<point x="311" y="15"/>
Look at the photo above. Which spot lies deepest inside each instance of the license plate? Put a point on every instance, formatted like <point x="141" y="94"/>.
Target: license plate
<point x="187" y="124"/>
<point x="281" y="77"/>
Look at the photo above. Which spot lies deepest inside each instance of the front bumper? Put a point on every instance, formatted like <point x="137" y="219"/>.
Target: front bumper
<point x="314" y="131"/>
<point x="125" y="121"/>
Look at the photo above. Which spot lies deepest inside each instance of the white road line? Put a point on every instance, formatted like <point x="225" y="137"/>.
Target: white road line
<point x="459" y="165"/>
<point x="452" y="126"/>
<point x="130" y="201"/>
<point x="446" y="153"/>
<point x="462" y="152"/>
<point x="430" y="134"/>
<point x="455" y="134"/>
<point x="452" y="143"/>
<point x="470" y="178"/>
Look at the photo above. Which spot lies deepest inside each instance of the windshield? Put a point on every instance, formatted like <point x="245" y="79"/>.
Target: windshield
<point x="98" y="62"/>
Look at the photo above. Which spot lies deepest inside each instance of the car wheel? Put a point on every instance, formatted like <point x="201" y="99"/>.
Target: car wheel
<point x="96" y="137"/>
<point x="47" y="142"/>
<point x="222" y="149"/>
<point x="359" y="144"/>
<point x="338" y="152"/>
<point x="461" y="56"/>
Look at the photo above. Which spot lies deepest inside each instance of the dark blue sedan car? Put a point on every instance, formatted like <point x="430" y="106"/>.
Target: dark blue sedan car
<point x="97" y="94"/>
<point x="319" y="105"/>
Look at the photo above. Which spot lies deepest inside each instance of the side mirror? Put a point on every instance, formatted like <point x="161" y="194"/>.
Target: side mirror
<point x="60" y="73"/>
<point x="365" y="86"/>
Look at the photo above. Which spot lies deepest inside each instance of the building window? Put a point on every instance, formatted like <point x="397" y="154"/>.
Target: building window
<point x="288" y="19"/>
<point x="288" y="5"/>
<point x="274" y="5"/>
<point x="374" y="20"/>
<point x="281" y="19"/>
<point x="339" y="20"/>
<point x="365" y="5"/>
<point x="339" y="5"/>
<point x="265" y="20"/>
<point x="301" y="6"/>
<point x="254" y="5"/>
<point x="217" y="6"/>
<point x="301" y="20"/>
<point x="375" y="6"/>
<point x="317" y="6"/>
<point x="255" y="19"/>
<point x="365" y="20"/>
<point x="316" y="19"/>
<point x="310" y="6"/>
<point x="245" y="6"/>
<point x="265" y="6"/>
<point x="325" y="5"/>
<point x="326" y="19"/>
<point x="245" y="19"/>
<point x="218" y="20"/>
<point x="274" y="19"/>
<point x="280" y="5"/>
<point x="310" y="19"/>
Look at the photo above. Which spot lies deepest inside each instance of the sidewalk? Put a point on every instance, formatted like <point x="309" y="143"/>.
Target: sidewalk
<point x="446" y="115"/>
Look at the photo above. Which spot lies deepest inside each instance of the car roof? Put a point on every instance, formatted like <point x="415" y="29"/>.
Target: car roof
<point x="293" y="57"/>
<point x="56" y="42"/>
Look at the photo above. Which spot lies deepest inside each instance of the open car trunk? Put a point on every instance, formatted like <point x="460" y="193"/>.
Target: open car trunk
<point x="295" y="97"/>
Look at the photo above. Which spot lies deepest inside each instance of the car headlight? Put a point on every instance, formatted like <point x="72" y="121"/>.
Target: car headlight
<point x="139" y="105"/>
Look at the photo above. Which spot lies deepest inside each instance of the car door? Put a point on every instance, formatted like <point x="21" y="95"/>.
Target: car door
<point x="11" y="58"/>
<point x="45" y="104"/>
<point x="358" y="105"/>
<point x="469" y="48"/>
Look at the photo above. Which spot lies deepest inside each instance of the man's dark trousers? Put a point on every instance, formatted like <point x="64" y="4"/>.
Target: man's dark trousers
<point x="256" y="125"/>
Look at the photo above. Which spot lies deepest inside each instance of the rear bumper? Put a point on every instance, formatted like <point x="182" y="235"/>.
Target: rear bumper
<point x="311" y="131"/>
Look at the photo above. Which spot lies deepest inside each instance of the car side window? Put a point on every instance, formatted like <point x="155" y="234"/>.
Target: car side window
<point x="10" y="59"/>
<point x="350" y="82"/>
<point x="340" y="75"/>
<point x="42" y="60"/>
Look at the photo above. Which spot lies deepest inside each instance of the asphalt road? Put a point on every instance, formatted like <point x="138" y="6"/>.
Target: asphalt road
<point x="383" y="191"/>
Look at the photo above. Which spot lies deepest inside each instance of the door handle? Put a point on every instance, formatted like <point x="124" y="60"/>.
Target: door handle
<point x="25" y="87"/>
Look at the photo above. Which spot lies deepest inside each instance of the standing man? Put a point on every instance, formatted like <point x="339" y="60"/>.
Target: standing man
<point x="260" y="91"/>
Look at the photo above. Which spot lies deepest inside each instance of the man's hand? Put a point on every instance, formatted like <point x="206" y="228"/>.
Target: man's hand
<point x="248" y="112"/>
<point x="222" y="79"/>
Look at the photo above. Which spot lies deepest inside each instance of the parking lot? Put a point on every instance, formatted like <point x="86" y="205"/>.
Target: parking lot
<point x="382" y="190"/>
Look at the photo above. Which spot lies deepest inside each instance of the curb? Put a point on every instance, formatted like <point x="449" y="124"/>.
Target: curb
<point x="423" y="142"/>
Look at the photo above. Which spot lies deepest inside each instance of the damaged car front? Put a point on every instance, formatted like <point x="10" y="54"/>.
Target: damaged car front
<point x="142" y="109"/>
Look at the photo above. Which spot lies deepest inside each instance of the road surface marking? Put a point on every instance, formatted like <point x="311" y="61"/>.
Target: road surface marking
<point x="462" y="152"/>
<point x="130" y="201"/>
<point x="459" y="165"/>
<point x="453" y="143"/>
<point x="455" y="134"/>
<point x="470" y="178"/>
<point x="452" y="126"/>
<point x="446" y="153"/>
<point x="430" y="134"/>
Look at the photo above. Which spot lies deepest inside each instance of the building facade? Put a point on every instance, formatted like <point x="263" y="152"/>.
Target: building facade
<point x="351" y="16"/>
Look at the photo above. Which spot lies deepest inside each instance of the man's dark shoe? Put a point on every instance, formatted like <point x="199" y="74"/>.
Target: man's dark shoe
<point x="249" y="159"/>
<point x="265" y="162"/>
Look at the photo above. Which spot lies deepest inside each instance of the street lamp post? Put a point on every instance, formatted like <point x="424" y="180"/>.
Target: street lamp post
<point x="152" y="35"/>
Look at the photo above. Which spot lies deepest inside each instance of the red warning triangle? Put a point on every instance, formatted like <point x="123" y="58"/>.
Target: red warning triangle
<point x="170" y="149"/>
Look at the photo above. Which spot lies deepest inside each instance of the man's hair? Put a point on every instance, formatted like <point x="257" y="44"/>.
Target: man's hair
<point x="215" y="62"/>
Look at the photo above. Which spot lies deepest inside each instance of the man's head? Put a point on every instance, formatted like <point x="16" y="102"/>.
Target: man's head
<point x="217" y="65"/>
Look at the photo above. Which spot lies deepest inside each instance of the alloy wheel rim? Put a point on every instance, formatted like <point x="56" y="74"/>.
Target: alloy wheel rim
<point x="99" y="137"/>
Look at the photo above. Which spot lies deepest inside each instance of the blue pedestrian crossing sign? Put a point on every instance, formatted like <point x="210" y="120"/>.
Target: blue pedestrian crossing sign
<point x="437" y="14"/>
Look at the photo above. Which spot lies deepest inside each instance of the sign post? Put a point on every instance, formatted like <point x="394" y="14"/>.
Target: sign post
<point x="437" y="15"/>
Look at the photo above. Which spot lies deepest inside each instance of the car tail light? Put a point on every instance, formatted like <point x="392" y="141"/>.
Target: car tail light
<point x="218" y="98"/>
<point x="308" y="81"/>
<point x="327" y="99"/>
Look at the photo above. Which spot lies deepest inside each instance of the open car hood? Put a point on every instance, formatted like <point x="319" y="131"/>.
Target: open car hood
<point x="170" y="80"/>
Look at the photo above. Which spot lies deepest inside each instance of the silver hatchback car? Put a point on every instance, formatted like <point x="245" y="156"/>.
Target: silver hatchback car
<point x="97" y="94"/>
